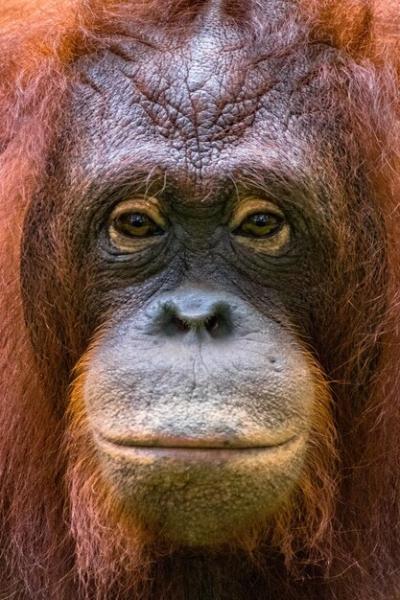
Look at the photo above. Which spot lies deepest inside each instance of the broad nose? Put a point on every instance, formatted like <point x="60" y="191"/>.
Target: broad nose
<point x="202" y="312"/>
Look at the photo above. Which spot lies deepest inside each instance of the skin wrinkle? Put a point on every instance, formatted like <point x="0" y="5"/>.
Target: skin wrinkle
<point x="208" y="127"/>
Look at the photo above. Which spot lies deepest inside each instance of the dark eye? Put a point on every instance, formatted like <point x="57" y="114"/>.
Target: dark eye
<point x="260" y="225"/>
<point x="136" y="224"/>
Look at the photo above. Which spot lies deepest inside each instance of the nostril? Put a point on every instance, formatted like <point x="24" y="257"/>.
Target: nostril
<point x="213" y="325"/>
<point x="179" y="325"/>
<point x="173" y="324"/>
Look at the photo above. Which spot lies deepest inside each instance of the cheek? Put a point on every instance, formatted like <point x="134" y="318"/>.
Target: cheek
<point x="202" y="445"/>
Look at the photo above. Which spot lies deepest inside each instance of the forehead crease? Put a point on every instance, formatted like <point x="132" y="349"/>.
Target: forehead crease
<point x="183" y="97"/>
<point x="192" y="109"/>
<point x="192" y="117"/>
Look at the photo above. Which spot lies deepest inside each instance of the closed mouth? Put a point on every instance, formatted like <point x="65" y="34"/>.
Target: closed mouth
<point x="192" y="444"/>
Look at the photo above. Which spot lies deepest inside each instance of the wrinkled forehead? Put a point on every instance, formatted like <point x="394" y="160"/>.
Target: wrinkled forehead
<point x="198" y="108"/>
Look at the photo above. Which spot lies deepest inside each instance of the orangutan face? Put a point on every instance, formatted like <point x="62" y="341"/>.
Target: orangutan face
<point x="195" y="223"/>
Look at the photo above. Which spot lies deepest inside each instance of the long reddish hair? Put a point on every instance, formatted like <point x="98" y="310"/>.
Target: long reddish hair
<point x="60" y="537"/>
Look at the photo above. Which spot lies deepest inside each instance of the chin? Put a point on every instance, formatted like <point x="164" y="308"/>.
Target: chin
<point x="200" y="496"/>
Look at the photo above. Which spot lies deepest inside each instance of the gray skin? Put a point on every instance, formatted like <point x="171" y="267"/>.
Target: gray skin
<point x="202" y="430"/>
